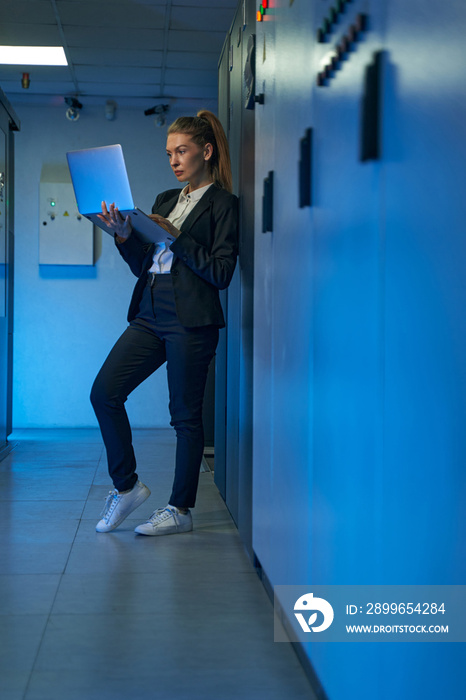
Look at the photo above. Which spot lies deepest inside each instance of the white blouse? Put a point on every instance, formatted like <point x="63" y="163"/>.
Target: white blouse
<point x="163" y="256"/>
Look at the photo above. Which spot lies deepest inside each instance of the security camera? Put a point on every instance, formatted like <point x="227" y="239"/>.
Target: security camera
<point x="74" y="105"/>
<point x="72" y="114"/>
<point x="158" y="109"/>
<point x="73" y="102"/>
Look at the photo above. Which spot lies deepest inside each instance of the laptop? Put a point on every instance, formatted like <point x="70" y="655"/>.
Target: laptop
<point x="99" y="174"/>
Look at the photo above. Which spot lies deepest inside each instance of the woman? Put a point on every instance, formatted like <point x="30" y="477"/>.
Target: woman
<point x="174" y="316"/>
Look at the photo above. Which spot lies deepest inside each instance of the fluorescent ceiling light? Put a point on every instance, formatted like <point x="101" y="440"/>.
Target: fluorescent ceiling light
<point x="33" y="56"/>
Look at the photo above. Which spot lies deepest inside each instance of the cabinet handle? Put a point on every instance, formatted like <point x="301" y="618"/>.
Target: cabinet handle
<point x="305" y="170"/>
<point x="267" y="204"/>
<point x="371" y="111"/>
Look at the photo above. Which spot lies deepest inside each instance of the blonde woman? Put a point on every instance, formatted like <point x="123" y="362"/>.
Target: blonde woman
<point x="174" y="317"/>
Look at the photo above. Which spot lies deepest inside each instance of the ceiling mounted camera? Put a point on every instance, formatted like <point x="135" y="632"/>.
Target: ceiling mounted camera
<point x="159" y="111"/>
<point x="74" y="107"/>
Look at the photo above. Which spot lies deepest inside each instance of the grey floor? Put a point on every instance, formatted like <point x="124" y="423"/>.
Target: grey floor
<point x="118" y="616"/>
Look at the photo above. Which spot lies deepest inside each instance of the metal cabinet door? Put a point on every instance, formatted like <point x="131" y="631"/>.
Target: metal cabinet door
<point x="4" y="274"/>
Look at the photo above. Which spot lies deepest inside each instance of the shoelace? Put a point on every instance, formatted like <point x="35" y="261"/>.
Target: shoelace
<point x="160" y="515"/>
<point x="110" y="504"/>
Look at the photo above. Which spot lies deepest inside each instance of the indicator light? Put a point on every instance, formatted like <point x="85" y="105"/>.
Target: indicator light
<point x="262" y="10"/>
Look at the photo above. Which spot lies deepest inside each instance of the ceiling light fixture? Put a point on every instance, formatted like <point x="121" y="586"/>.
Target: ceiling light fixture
<point x="33" y="56"/>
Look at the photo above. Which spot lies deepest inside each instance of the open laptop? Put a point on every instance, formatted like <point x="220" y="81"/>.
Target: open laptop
<point x="99" y="174"/>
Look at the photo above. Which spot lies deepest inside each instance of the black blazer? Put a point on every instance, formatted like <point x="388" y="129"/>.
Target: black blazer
<point x="204" y="256"/>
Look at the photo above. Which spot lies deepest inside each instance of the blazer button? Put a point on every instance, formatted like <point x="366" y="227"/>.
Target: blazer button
<point x="185" y="257"/>
<point x="175" y="272"/>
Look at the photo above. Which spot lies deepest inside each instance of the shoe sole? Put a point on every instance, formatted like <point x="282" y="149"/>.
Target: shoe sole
<point x="165" y="531"/>
<point x="141" y="498"/>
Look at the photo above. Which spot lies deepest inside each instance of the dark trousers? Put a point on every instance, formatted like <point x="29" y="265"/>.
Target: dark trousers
<point x="155" y="336"/>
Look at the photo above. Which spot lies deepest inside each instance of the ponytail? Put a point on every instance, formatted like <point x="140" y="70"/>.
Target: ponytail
<point x="207" y="128"/>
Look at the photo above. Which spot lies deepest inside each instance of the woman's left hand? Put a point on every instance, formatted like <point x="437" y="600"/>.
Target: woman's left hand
<point x="166" y="224"/>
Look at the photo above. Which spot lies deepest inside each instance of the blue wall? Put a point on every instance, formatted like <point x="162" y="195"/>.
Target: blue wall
<point x="67" y="318"/>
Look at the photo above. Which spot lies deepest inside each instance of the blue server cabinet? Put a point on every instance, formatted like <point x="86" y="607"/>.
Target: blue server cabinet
<point x="359" y="340"/>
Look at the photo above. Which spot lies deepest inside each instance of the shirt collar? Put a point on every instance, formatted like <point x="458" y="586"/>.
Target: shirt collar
<point x="195" y="195"/>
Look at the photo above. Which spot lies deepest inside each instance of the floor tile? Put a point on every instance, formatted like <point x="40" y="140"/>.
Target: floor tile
<point x="26" y="558"/>
<point x="27" y="594"/>
<point x="68" y="483"/>
<point x="44" y="457"/>
<point x="20" y="637"/>
<point x="15" y="533"/>
<point x="24" y="511"/>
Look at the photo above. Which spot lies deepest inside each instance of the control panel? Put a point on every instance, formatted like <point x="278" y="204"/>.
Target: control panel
<point x="65" y="237"/>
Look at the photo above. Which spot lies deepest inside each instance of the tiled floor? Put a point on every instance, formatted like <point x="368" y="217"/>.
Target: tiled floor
<point x="88" y="616"/>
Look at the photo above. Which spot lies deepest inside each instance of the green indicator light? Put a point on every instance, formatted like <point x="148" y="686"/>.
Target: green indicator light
<point x="52" y="203"/>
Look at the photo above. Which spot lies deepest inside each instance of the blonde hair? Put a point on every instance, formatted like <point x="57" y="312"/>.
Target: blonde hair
<point x="207" y="128"/>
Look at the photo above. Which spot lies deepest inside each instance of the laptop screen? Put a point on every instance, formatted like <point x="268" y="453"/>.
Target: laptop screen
<point x="99" y="174"/>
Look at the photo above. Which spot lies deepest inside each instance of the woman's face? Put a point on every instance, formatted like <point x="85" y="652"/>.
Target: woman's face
<point x="188" y="160"/>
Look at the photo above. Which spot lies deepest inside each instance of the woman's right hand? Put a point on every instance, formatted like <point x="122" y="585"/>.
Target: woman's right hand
<point x="114" y="221"/>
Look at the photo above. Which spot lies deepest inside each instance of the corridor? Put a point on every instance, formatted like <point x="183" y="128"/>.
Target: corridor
<point x="88" y="616"/>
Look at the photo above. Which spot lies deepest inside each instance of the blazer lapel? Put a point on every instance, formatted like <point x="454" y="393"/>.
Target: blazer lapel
<point x="201" y="206"/>
<point x="166" y="207"/>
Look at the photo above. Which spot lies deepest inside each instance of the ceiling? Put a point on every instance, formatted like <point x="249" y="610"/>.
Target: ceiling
<point x="130" y="51"/>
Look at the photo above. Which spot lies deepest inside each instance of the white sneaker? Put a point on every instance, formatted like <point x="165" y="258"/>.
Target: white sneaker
<point x="119" y="505"/>
<point x="166" y="521"/>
